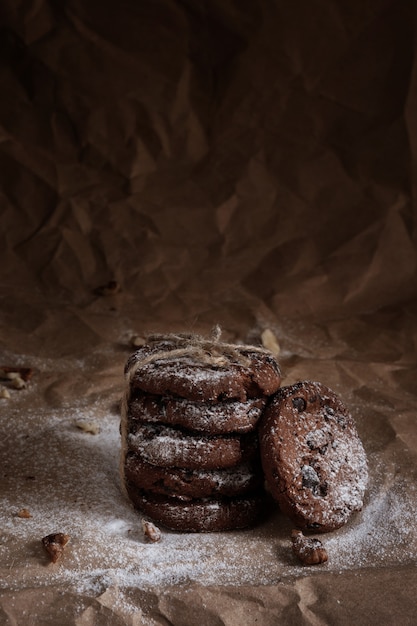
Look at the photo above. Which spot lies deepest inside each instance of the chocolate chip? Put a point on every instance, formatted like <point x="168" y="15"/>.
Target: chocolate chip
<point x="311" y="480"/>
<point x="159" y="401"/>
<point x="323" y="488"/>
<point x="299" y="404"/>
<point x="310" y="477"/>
<point x="341" y="420"/>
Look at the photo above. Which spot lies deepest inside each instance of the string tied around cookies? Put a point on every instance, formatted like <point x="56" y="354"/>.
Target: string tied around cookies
<point x="208" y="351"/>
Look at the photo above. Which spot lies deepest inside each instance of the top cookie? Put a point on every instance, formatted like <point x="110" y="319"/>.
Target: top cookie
<point x="313" y="460"/>
<point x="203" y="371"/>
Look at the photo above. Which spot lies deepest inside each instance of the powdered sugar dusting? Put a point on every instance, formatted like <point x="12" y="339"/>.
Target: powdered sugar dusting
<point x="69" y="481"/>
<point x="164" y="446"/>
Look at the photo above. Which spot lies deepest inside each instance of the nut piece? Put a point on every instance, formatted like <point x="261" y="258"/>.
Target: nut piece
<point x="24" y="514"/>
<point x="151" y="532"/>
<point x="4" y="393"/>
<point x="137" y="341"/>
<point x="9" y="372"/>
<point x="54" y="545"/>
<point x="309" y="551"/>
<point x="16" y="381"/>
<point x="270" y="342"/>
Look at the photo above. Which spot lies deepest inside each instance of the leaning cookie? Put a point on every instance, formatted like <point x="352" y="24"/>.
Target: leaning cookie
<point x="203" y="515"/>
<point x="313" y="459"/>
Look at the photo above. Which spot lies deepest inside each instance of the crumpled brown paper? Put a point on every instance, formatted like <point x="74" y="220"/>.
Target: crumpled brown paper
<point x="247" y="164"/>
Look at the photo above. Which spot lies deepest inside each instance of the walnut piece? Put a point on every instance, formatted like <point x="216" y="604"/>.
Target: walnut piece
<point x="309" y="551"/>
<point x="17" y="381"/>
<point x="151" y="532"/>
<point x="9" y="372"/>
<point x="54" y="545"/>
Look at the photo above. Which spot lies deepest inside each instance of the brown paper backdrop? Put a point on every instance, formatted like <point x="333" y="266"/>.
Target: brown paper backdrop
<point x="248" y="163"/>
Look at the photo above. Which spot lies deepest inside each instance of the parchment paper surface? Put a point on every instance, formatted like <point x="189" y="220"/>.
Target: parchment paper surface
<point x="248" y="164"/>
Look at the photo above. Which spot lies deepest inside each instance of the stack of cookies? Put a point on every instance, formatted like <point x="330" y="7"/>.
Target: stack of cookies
<point x="190" y="453"/>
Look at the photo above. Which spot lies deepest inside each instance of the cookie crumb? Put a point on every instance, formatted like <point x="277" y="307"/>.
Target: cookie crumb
<point x="88" y="427"/>
<point x="24" y="514"/>
<point x="270" y="342"/>
<point x="136" y="341"/>
<point x="151" y="532"/>
<point x="310" y="551"/>
<point x="54" y="545"/>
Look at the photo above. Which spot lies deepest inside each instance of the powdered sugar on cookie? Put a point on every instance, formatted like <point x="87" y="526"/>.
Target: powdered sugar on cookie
<point x="312" y="456"/>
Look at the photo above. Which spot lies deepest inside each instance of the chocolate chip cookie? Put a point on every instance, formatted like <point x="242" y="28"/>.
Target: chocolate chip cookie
<point x="166" y="446"/>
<point x="202" y="373"/>
<point x="211" y="418"/>
<point x="313" y="459"/>
<point x="198" y="515"/>
<point x="186" y="483"/>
